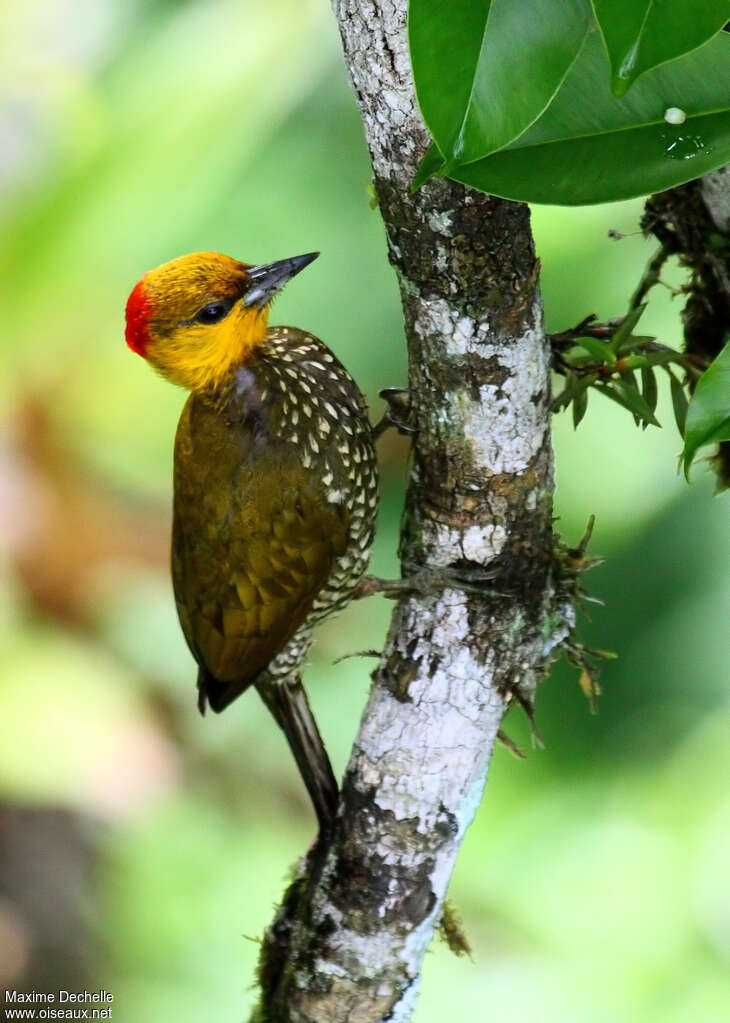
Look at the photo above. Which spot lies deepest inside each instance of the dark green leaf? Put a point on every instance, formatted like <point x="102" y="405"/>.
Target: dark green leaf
<point x="601" y="351"/>
<point x="590" y="147"/>
<point x="649" y="389"/>
<point x="562" y="400"/>
<point x="630" y="399"/>
<point x="679" y="402"/>
<point x="628" y="382"/>
<point x="641" y="34"/>
<point x="662" y="358"/>
<point x="431" y="164"/>
<point x="634" y="341"/>
<point x="708" y="416"/>
<point x="486" y="69"/>
<point x="623" y="332"/>
<point x="559" y="402"/>
<point x="580" y="404"/>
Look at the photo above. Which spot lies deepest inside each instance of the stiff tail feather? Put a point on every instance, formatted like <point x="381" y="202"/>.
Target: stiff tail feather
<point x="287" y="701"/>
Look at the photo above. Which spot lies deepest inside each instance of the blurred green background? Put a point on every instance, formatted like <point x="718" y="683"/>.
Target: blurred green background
<point x="142" y="848"/>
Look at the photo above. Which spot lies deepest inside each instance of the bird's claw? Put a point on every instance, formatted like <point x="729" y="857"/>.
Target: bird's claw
<point x="427" y="582"/>
<point x="398" y="414"/>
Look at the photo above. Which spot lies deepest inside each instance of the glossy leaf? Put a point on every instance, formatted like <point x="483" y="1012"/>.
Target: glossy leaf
<point x="486" y="69"/>
<point x="590" y="147"/>
<point x="642" y="34"/>
<point x="708" y="415"/>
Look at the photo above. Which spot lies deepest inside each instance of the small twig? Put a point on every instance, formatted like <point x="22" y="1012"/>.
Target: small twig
<point x="510" y="745"/>
<point x="357" y="653"/>
<point x="650" y="276"/>
<point x="566" y="338"/>
<point x="529" y="709"/>
<point x="578" y="553"/>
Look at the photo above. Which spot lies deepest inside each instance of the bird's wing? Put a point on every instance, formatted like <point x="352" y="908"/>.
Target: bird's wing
<point x="254" y="540"/>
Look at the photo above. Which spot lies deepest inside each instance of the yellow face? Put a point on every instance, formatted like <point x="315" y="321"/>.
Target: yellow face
<point x="189" y="320"/>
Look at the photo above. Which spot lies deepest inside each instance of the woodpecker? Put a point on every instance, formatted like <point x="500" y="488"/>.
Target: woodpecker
<point x="275" y="485"/>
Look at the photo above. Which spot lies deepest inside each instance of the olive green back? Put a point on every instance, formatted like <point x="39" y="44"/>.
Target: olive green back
<point x="254" y="540"/>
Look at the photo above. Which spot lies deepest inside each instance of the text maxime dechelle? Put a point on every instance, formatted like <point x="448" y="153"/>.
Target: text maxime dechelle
<point x="61" y="1004"/>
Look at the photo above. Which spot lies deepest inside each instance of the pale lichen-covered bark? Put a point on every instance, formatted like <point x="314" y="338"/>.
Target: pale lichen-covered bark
<point x="715" y="189"/>
<point x="348" y="942"/>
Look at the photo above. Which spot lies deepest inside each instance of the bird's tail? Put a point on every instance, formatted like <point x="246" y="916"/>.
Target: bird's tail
<point x="287" y="701"/>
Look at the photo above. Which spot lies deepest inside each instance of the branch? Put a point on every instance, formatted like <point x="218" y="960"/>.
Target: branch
<point x="693" y="221"/>
<point x="349" y="938"/>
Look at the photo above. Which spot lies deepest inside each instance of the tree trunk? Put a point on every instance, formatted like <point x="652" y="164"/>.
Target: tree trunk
<point x="348" y="940"/>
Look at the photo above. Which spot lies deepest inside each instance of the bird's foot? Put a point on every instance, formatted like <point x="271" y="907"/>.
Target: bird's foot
<point x="429" y="581"/>
<point x="399" y="413"/>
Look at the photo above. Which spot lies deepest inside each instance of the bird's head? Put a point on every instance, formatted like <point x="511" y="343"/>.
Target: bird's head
<point x="199" y="316"/>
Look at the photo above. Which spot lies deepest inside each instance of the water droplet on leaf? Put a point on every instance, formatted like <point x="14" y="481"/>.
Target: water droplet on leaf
<point x="684" y="147"/>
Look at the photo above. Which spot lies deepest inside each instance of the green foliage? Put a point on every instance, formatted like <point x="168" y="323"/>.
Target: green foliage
<point x="625" y="392"/>
<point x="621" y="365"/>
<point x="708" y="415"/>
<point x="477" y="91"/>
<point x="623" y="340"/>
<point x="618" y="364"/>
<point x="641" y="34"/>
<point x="521" y="106"/>
<point x="679" y="402"/>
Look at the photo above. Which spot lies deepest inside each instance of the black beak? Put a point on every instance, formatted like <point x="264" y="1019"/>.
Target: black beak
<point x="266" y="280"/>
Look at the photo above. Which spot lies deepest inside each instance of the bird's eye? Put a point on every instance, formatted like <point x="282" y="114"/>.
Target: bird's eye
<point x="213" y="313"/>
